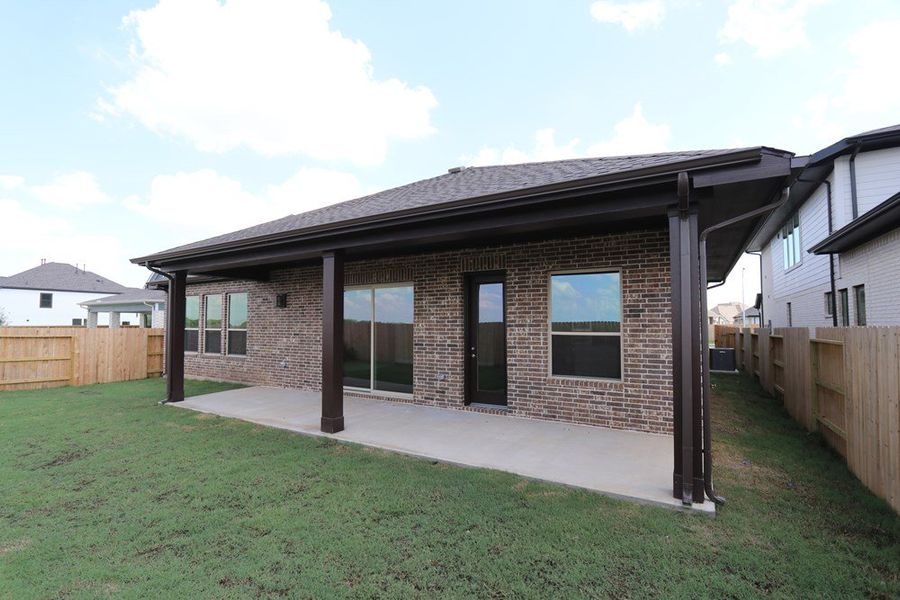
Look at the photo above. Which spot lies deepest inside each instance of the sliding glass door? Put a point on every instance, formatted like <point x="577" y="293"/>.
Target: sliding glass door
<point x="378" y="338"/>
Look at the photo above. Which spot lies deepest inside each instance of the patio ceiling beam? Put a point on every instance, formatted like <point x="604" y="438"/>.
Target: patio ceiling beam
<point x="333" y="341"/>
<point x="175" y="337"/>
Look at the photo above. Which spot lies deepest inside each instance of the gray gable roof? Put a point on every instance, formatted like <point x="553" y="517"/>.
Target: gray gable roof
<point x="130" y="296"/>
<point x="465" y="184"/>
<point x="61" y="277"/>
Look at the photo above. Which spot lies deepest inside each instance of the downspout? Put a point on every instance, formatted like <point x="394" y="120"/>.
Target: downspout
<point x="827" y="184"/>
<point x="704" y="334"/>
<point x="853" y="201"/>
<point x="834" y="316"/>
<point x="171" y="280"/>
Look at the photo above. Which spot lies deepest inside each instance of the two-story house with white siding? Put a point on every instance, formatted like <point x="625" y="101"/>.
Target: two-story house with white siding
<point x="51" y="294"/>
<point x="830" y="255"/>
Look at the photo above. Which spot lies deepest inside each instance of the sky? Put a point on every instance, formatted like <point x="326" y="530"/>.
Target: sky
<point x="132" y="127"/>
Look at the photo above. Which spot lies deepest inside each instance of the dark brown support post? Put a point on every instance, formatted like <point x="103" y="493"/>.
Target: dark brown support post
<point x="333" y="342"/>
<point x="687" y="480"/>
<point x="175" y="337"/>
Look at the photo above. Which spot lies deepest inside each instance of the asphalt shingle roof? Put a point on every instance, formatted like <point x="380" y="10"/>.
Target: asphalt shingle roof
<point x="469" y="183"/>
<point x="61" y="277"/>
<point x="129" y="296"/>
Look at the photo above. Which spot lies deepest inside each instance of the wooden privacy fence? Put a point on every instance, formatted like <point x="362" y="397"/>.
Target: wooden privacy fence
<point x="43" y="357"/>
<point x="843" y="382"/>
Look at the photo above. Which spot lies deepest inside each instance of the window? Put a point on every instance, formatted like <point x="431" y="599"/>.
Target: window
<point x="192" y="324"/>
<point x="790" y="315"/>
<point x="844" y="307"/>
<point x="378" y="338"/>
<point x="859" y="295"/>
<point x="790" y="242"/>
<point x="586" y="325"/>
<point x="46" y="300"/>
<point x="77" y="322"/>
<point x="212" y="326"/>
<point x="237" y="324"/>
<point x="829" y="304"/>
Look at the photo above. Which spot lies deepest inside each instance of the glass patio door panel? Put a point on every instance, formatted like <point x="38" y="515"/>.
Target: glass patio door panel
<point x="393" y="340"/>
<point x="378" y="339"/>
<point x="358" y="338"/>
<point x="486" y="339"/>
<point x="491" y="339"/>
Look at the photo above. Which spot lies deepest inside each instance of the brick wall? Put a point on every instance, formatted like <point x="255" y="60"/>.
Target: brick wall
<point x="284" y="345"/>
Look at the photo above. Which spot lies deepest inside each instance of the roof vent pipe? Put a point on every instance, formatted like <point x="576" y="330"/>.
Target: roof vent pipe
<point x="455" y="170"/>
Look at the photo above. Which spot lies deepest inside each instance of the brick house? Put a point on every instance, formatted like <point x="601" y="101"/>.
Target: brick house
<point x="566" y="290"/>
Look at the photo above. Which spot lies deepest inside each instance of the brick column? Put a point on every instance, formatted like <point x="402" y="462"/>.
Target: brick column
<point x="114" y="319"/>
<point x="92" y="320"/>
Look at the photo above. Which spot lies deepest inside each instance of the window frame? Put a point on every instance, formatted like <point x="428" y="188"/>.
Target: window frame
<point x="205" y="320"/>
<point x="226" y="322"/>
<point x="856" y="291"/>
<point x="791" y="243"/>
<point x="199" y="321"/>
<point x="844" y="307"/>
<point x="829" y="304"/>
<point x="371" y="389"/>
<point x="48" y="296"/>
<point x="620" y="334"/>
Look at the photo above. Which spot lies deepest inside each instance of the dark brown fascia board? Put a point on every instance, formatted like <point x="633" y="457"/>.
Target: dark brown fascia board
<point x="587" y="185"/>
<point x="439" y="228"/>
<point x="768" y="167"/>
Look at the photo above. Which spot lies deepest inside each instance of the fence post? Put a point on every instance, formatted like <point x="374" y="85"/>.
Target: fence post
<point x="814" y="387"/>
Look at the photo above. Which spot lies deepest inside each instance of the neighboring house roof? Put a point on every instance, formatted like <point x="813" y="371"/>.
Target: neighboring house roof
<point x="816" y="168"/>
<point x="61" y="277"/>
<point x="456" y="186"/>
<point x="727" y="310"/>
<point x="883" y="218"/>
<point x="129" y="296"/>
<point x="750" y="313"/>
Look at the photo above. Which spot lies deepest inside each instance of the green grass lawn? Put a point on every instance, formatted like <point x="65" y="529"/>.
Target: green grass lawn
<point x="105" y="493"/>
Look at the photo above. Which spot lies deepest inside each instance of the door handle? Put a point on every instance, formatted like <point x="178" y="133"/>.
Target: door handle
<point x="472" y="350"/>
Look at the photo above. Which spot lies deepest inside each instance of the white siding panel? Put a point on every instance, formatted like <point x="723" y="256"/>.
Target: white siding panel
<point x="804" y="285"/>
<point x="877" y="266"/>
<point x="877" y="177"/>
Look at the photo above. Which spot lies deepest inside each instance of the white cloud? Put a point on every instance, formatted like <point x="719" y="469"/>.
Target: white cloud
<point x="771" y="27"/>
<point x="632" y="135"/>
<point x="862" y="92"/>
<point x="722" y="59"/>
<point x="36" y="236"/>
<point x="269" y="75"/>
<point x="9" y="182"/>
<point x="208" y="203"/>
<point x="871" y="83"/>
<point x="630" y="15"/>
<point x="71" y="191"/>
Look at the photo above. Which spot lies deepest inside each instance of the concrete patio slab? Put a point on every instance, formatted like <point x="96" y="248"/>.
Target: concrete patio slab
<point x="622" y="464"/>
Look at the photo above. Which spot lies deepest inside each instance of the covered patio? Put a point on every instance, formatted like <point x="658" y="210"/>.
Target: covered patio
<point x="621" y="464"/>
